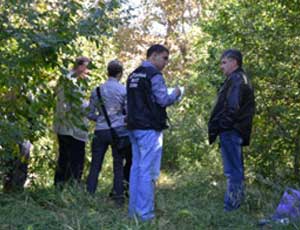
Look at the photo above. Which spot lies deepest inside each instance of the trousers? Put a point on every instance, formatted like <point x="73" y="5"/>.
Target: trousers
<point x="70" y="160"/>
<point x="101" y="141"/>
<point x="145" y="169"/>
<point x="232" y="157"/>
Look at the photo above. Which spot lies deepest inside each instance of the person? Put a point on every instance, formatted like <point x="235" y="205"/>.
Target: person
<point x="16" y="165"/>
<point x="17" y="169"/>
<point x="147" y="99"/>
<point x="71" y="124"/>
<point x="231" y="120"/>
<point x="113" y="94"/>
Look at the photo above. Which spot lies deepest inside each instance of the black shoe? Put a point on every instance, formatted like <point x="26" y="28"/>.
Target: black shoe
<point x="119" y="200"/>
<point x="111" y="194"/>
<point x="126" y="194"/>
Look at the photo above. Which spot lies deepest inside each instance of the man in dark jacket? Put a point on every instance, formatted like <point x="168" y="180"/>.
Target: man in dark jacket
<point x="231" y="120"/>
<point x="147" y="98"/>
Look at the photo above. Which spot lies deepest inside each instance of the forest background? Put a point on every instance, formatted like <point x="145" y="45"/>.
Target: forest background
<point x="40" y="39"/>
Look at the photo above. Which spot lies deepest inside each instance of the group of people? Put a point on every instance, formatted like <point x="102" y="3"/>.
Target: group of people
<point x="138" y="112"/>
<point x="71" y="127"/>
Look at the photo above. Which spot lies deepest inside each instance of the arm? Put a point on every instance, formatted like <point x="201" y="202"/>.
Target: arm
<point x="92" y="115"/>
<point x="124" y="106"/>
<point x="160" y="91"/>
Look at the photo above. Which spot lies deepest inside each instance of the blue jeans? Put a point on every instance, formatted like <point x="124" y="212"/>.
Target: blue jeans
<point x="102" y="139"/>
<point x="232" y="156"/>
<point x="145" y="169"/>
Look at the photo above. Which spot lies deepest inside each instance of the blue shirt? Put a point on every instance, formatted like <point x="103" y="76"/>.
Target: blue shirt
<point x="113" y="94"/>
<point x="159" y="89"/>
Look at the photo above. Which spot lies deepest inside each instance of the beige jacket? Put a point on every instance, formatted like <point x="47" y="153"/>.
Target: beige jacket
<point x="71" y="110"/>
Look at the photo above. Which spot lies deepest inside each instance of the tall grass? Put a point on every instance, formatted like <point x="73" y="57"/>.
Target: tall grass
<point x="188" y="199"/>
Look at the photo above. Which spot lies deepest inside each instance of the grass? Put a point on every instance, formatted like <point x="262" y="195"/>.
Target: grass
<point x="189" y="199"/>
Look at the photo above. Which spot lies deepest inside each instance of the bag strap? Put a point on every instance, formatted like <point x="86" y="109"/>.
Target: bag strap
<point x="104" y="109"/>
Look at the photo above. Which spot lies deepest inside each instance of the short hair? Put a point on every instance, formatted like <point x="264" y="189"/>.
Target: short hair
<point x="157" y="48"/>
<point x="234" y="54"/>
<point x="81" y="61"/>
<point x="114" y="67"/>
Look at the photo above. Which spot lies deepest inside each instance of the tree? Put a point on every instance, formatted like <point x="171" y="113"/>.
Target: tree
<point x="266" y="34"/>
<point x="38" y="41"/>
<point x="158" y="22"/>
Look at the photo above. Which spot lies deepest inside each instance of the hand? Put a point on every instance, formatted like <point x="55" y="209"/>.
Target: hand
<point x="178" y="91"/>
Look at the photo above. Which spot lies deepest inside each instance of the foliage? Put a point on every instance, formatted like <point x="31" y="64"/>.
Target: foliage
<point x="158" y="22"/>
<point x="38" y="41"/>
<point x="266" y="34"/>
<point x="189" y="199"/>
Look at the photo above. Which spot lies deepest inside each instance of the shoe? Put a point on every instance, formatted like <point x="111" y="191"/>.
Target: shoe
<point x="119" y="200"/>
<point x="111" y="194"/>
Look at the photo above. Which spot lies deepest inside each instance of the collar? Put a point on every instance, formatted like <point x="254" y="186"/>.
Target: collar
<point x="112" y="79"/>
<point x="148" y="64"/>
<point x="239" y="69"/>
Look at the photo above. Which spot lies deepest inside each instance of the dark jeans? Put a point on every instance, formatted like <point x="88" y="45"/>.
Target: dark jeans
<point x="127" y="155"/>
<point x="232" y="156"/>
<point x="70" y="160"/>
<point x="102" y="139"/>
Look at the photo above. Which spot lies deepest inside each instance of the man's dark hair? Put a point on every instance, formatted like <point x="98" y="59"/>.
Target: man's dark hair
<point x="234" y="54"/>
<point x="157" y="48"/>
<point x="114" y="67"/>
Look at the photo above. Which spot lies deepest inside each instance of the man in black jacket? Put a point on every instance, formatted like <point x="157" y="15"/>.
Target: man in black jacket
<point x="231" y="120"/>
<point x="147" y="99"/>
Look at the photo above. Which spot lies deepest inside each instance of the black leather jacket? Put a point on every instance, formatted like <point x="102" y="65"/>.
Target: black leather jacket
<point x="234" y="108"/>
